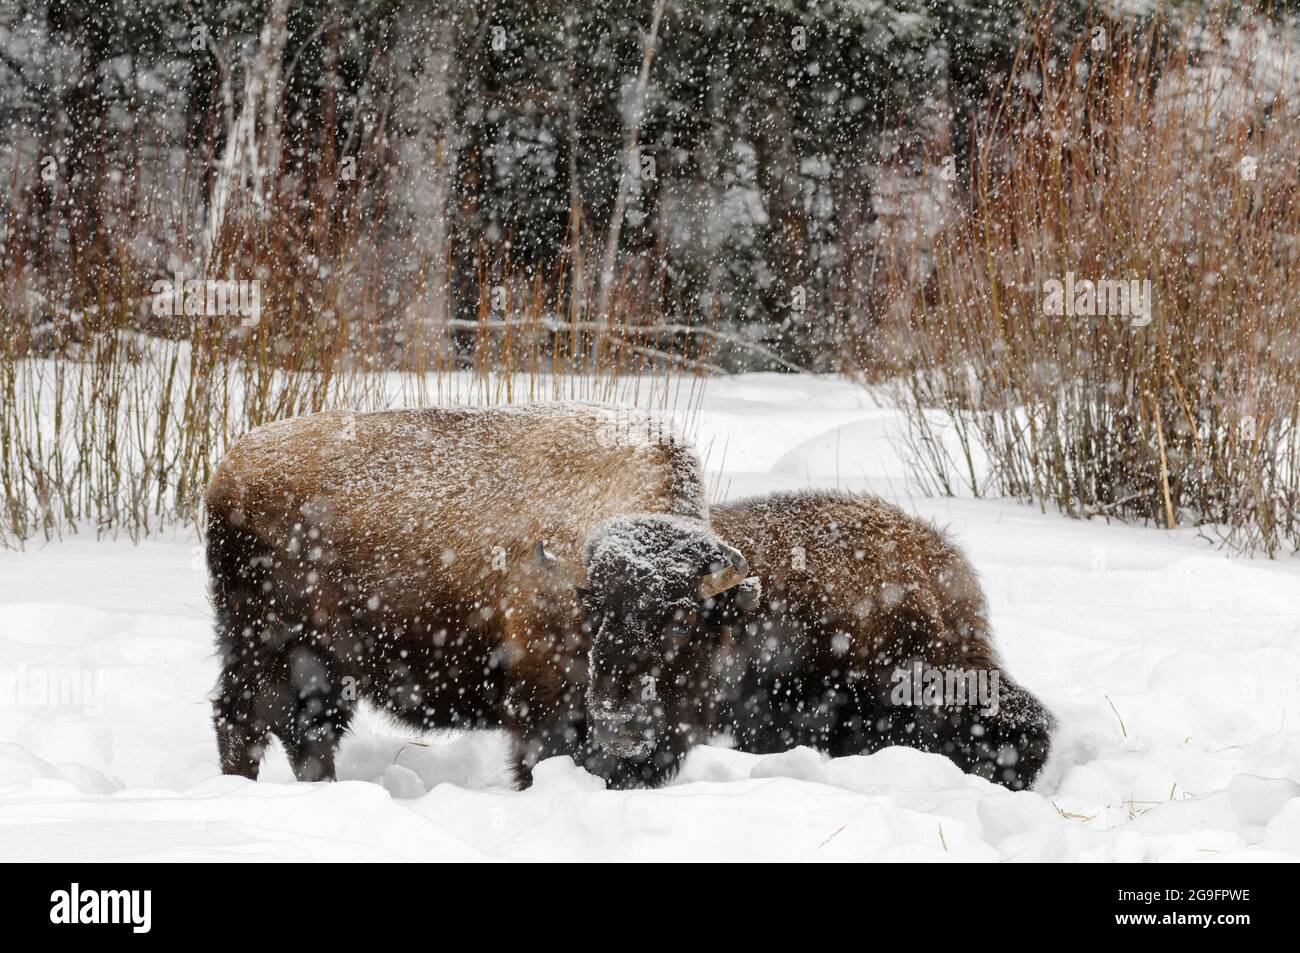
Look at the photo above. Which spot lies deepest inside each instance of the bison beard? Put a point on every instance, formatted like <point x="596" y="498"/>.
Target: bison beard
<point x="853" y="592"/>
<point x="397" y="557"/>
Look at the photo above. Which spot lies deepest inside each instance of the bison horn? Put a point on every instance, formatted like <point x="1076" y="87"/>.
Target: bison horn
<point x="545" y="558"/>
<point x="732" y="572"/>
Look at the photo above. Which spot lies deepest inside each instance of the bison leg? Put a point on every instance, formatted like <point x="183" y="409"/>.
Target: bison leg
<point x="244" y="707"/>
<point x="773" y="715"/>
<point x="541" y="709"/>
<point x="531" y="742"/>
<point x="250" y="695"/>
<point x="317" y="716"/>
<point x="239" y="744"/>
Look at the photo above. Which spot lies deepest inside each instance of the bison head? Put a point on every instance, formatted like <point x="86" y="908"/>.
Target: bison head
<point x="660" y="591"/>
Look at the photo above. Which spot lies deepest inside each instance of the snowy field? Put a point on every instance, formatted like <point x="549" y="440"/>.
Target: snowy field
<point x="1173" y="669"/>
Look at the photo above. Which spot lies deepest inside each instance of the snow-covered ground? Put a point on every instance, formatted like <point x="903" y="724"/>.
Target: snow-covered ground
<point x="1174" y="671"/>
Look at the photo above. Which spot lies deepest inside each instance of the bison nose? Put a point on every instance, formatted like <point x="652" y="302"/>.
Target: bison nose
<point x="624" y="733"/>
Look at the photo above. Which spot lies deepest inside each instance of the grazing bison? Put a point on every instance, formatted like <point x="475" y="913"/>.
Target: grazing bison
<point x="871" y="630"/>
<point x="467" y="568"/>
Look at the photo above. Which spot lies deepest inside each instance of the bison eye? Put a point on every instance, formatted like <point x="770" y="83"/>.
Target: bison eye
<point x="682" y="624"/>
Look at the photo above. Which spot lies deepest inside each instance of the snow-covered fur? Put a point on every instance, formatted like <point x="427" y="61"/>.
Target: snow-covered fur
<point x="649" y="691"/>
<point x="855" y="592"/>
<point x="394" y="556"/>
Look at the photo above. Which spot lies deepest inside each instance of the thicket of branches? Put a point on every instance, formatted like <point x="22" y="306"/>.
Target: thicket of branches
<point x="1133" y="153"/>
<point x="570" y="197"/>
<point x="724" y="149"/>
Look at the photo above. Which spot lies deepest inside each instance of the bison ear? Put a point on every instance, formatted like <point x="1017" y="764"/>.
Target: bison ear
<point x="542" y="553"/>
<point x="724" y="572"/>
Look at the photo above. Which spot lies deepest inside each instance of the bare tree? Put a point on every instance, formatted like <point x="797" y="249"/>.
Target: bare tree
<point x="248" y="171"/>
<point x="636" y="114"/>
<point x="426" y="64"/>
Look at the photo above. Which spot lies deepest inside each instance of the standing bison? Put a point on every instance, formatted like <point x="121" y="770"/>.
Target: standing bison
<point x="871" y="630"/>
<point x="544" y="569"/>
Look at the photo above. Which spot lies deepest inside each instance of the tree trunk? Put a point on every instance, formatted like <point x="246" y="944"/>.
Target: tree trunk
<point x="577" y="297"/>
<point x="326" y="177"/>
<point x="610" y="258"/>
<point x="84" y="164"/>
<point x="785" y="234"/>
<point x="427" y="154"/>
<point x="855" y="219"/>
<point x="244" y="165"/>
<point x="270" y="62"/>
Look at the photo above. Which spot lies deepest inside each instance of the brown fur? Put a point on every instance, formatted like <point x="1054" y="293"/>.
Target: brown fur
<point x="852" y="590"/>
<point x="355" y="555"/>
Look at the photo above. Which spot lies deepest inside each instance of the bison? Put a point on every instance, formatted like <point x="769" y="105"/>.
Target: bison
<point x="545" y="569"/>
<point x="871" y="630"/>
<point x="866" y="628"/>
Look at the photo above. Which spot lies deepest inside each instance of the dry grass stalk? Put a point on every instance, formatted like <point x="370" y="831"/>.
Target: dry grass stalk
<point x="1161" y="156"/>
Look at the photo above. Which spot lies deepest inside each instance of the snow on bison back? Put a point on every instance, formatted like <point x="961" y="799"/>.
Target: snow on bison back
<point x="444" y="563"/>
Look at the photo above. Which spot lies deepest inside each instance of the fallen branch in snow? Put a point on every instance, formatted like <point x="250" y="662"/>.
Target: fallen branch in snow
<point x="552" y="324"/>
<point x="674" y="358"/>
